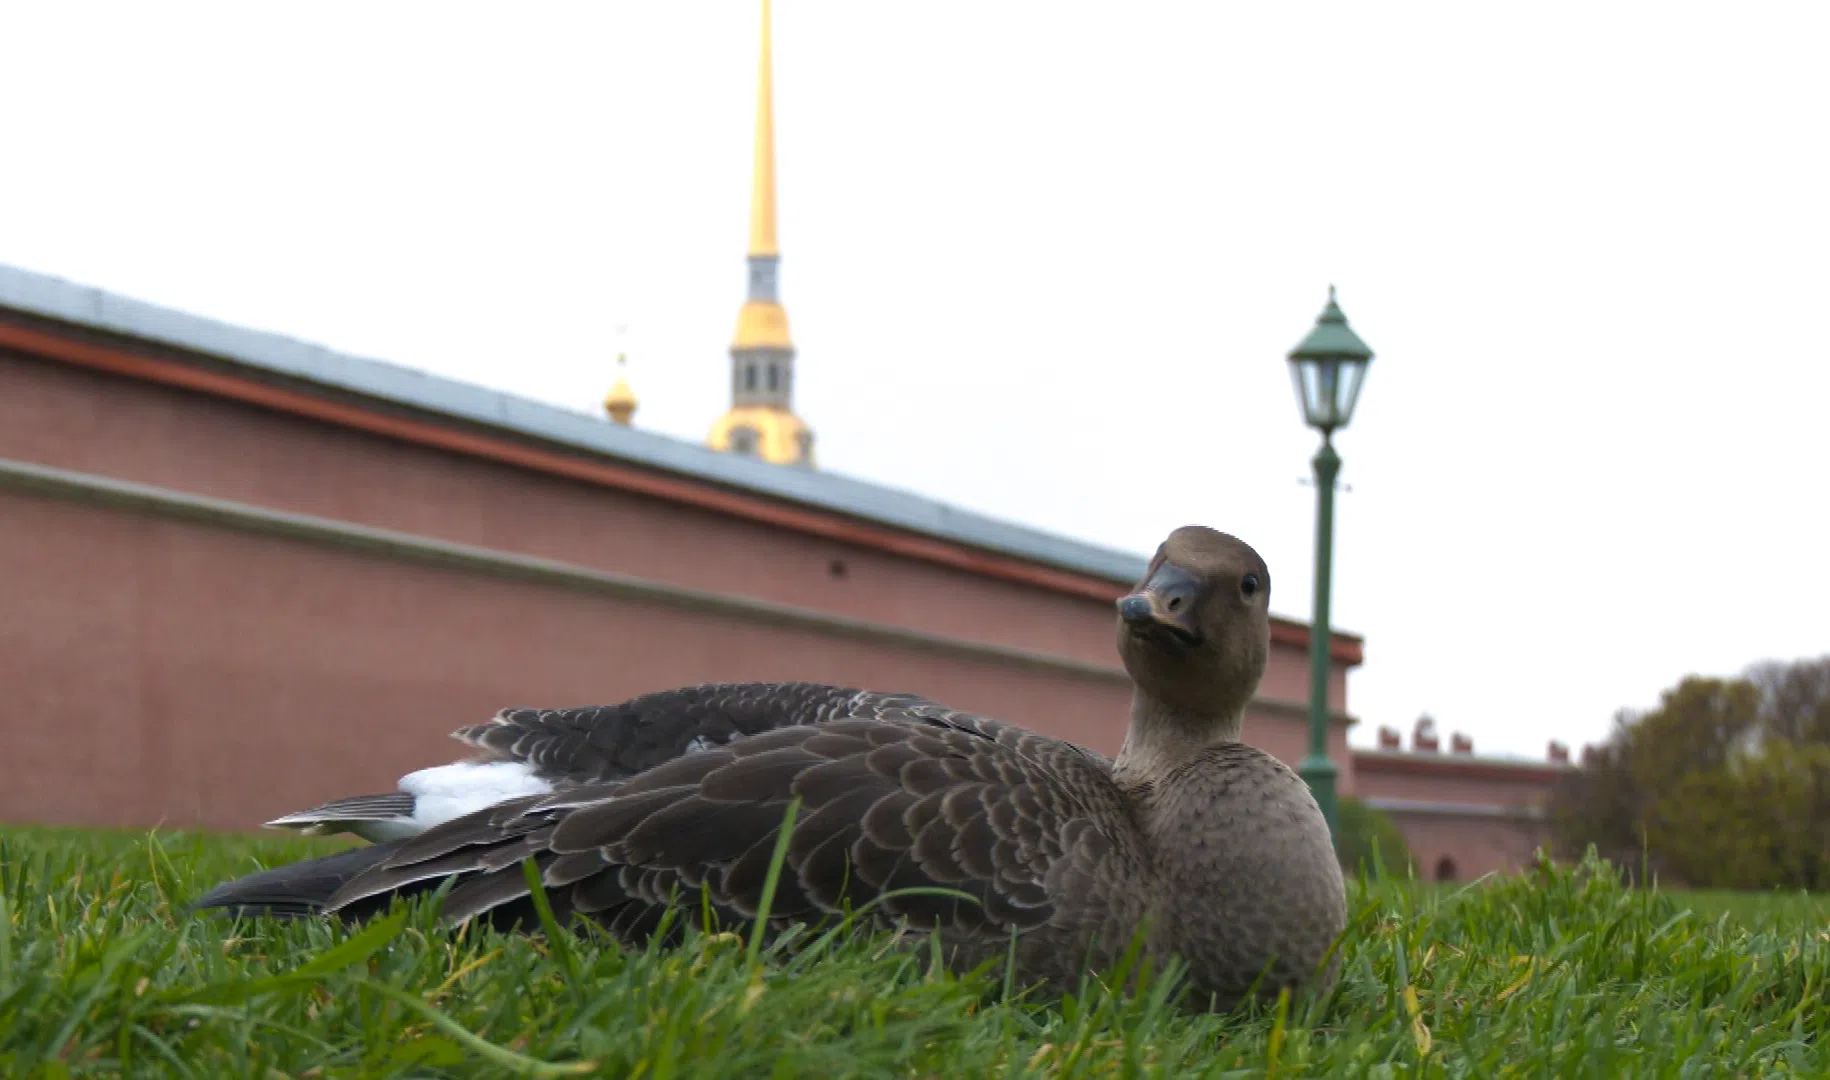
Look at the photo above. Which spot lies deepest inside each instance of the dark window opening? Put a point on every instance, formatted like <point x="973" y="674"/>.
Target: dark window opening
<point x="1445" y="869"/>
<point x="774" y="378"/>
<point x="749" y="377"/>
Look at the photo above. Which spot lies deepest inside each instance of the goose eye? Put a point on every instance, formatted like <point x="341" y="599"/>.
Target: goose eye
<point x="1249" y="584"/>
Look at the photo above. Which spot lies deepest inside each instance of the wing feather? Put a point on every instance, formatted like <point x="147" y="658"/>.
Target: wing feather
<point x="896" y="802"/>
<point x="598" y="743"/>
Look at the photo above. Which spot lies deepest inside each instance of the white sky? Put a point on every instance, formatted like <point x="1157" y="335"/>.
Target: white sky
<point x="1044" y="260"/>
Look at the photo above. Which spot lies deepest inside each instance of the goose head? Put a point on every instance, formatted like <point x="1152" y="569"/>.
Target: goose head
<point x="1196" y="632"/>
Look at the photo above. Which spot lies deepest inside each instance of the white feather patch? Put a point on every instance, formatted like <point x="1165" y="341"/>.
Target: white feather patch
<point x="445" y="792"/>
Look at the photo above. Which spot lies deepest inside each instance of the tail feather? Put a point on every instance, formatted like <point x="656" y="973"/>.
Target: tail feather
<point x="297" y="889"/>
<point x="372" y="817"/>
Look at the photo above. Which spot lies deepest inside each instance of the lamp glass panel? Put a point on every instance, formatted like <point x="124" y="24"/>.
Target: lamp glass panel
<point x="1320" y="382"/>
<point x="1302" y="394"/>
<point x="1347" y="392"/>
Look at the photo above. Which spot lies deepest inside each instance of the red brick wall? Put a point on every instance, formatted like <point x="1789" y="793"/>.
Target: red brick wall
<point x="157" y="670"/>
<point x="1473" y="846"/>
<point x="162" y="671"/>
<point x="77" y="419"/>
<point x="1499" y="787"/>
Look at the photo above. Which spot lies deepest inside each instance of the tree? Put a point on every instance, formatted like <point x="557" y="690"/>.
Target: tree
<point x="1726" y="783"/>
<point x="1779" y="834"/>
<point x="1600" y="803"/>
<point x="1795" y="699"/>
<point x="1679" y="761"/>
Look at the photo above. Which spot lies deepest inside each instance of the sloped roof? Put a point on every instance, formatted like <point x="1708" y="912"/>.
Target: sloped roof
<point x="275" y="354"/>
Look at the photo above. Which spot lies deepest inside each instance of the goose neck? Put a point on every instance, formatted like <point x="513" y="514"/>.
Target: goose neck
<point x="1161" y="737"/>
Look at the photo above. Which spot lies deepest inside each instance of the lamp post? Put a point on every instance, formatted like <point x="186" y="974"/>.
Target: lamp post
<point x="1327" y="368"/>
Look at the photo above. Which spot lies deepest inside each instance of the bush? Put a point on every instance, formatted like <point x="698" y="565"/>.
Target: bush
<point x="1361" y="831"/>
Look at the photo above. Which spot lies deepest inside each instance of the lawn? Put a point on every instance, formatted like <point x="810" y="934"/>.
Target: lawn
<point x="1760" y="909"/>
<point x="1562" y="973"/>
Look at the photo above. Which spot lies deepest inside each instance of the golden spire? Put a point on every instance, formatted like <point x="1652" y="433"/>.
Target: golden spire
<point x="762" y="323"/>
<point x="761" y="421"/>
<point x="762" y="191"/>
<point x="620" y="402"/>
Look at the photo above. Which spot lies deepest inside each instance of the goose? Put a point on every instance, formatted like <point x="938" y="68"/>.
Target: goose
<point x="1056" y="857"/>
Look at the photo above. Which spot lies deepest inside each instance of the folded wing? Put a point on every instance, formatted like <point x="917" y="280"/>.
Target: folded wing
<point x="611" y="742"/>
<point x="539" y="751"/>
<point x="919" y="798"/>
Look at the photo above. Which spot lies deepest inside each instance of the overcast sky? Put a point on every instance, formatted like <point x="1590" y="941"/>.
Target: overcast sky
<point x="1044" y="260"/>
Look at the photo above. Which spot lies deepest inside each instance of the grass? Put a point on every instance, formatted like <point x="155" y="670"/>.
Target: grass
<point x="1753" y="910"/>
<point x="1560" y="973"/>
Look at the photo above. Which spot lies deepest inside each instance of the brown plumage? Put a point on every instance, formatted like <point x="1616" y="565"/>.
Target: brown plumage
<point x="1215" y="849"/>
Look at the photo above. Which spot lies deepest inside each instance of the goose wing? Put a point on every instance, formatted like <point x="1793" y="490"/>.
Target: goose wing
<point x="1032" y="829"/>
<point x="610" y="742"/>
<point x="538" y="751"/>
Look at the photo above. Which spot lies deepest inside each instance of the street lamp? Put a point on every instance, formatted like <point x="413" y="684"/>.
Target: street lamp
<point x="1327" y="368"/>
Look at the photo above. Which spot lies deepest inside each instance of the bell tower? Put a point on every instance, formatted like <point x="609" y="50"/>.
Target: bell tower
<point x="761" y="421"/>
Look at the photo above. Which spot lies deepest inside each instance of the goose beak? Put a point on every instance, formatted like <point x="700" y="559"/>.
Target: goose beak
<point x="1164" y="603"/>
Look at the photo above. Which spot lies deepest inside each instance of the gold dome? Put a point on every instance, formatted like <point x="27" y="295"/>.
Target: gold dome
<point x="774" y="435"/>
<point x="620" y="402"/>
<point x="762" y="324"/>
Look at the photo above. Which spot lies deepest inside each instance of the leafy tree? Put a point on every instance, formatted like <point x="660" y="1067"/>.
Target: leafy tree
<point x="1795" y="699"/>
<point x="1679" y="762"/>
<point x="1697" y="727"/>
<point x="1782" y="810"/>
<point x="1726" y="783"/>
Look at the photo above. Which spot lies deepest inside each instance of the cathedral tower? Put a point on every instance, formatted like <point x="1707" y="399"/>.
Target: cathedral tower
<point x="761" y="421"/>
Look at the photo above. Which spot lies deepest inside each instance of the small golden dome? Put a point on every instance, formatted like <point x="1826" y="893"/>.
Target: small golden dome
<point x="762" y="324"/>
<point x="620" y="402"/>
<point x="763" y="431"/>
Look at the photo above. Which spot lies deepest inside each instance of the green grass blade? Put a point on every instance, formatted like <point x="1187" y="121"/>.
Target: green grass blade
<point x="502" y="1058"/>
<point x="777" y="859"/>
<point x="354" y="950"/>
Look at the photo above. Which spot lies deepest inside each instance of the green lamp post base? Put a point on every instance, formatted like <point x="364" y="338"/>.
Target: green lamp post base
<point x="1319" y="774"/>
